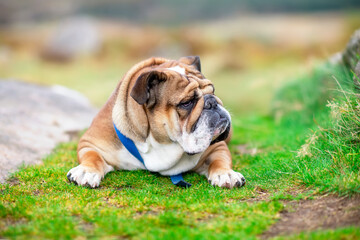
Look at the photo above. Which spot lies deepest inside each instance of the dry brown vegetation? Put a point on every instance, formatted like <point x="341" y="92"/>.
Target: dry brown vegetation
<point x="236" y="43"/>
<point x="252" y="53"/>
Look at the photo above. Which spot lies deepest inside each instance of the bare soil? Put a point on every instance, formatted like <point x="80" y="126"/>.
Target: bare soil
<point x="325" y="212"/>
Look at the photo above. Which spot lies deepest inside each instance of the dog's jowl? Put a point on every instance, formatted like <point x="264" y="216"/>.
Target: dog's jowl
<point x="166" y="112"/>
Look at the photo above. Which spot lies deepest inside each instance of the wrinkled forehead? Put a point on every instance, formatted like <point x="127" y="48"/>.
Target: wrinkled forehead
<point x="186" y="78"/>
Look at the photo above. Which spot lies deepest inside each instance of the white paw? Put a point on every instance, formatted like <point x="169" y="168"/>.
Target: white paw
<point x="82" y="176"/>
<point x="227" y="179"/>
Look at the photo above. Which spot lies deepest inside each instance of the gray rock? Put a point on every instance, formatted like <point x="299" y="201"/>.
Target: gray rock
<point x="34" y="119"/>
<point x="350" y="57"/>
<point x="356" y="77"/>
<point x="73" y="37"/>
<point x="352" y="50"/>
<point x="357" y="70"/>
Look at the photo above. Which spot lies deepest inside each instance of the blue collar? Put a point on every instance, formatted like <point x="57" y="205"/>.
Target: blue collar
<point x="177" y="180"/>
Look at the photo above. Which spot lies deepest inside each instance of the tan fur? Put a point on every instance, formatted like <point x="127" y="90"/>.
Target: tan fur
<point x="93" y="162"/>
<point x="217" y="157"/>
<point x="98" y="145"/>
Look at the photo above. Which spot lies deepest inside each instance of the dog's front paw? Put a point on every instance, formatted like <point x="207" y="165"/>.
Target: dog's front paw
<point x="227" y="179"/>
<point x="81" y="175"/>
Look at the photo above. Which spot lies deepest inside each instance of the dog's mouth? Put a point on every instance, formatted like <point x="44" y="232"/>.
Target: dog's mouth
<point x="221" y="133"/>
<point x="220" y="128"/>
<point x="216" y="134"/>
<point x="212" y="126"/>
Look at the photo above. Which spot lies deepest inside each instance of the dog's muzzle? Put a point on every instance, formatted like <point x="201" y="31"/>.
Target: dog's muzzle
<point x="218" y="118"/>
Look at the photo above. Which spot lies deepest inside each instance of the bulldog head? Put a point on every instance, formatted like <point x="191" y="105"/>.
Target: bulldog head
<point x="179" y="105"/>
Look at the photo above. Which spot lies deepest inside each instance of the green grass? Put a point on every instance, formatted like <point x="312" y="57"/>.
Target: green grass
<point x="329" y="157"/>
<point x="347" y="233"/>
<point x="130" y="204"/>
<point x="39" y="202"/>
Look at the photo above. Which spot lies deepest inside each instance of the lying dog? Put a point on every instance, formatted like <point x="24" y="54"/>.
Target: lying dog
<point x="168" y="111"/>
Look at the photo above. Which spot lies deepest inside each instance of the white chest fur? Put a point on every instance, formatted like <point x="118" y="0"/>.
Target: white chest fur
<point x="166" y="159"/>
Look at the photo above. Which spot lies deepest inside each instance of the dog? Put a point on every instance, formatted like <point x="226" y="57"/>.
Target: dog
<point x="168" y="111"/>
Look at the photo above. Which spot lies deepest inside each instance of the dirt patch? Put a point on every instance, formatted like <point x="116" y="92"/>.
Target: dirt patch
<point x="13" y="181"/>
<point x="153" y="211"/>
<point x="113" y="203"/>
<point x="10" y="221"/>
<point x="86" y="226"/>
<point x="206" y="217"/>
<point x="140" y="214"/>
<point x="326" y="212"/>
<point x="245" y="150"/>
<point x="37" y="192"/>
<point x="261" y="194"/>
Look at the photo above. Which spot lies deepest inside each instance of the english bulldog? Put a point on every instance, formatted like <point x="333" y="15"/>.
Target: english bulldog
<point x="168" y="109"/>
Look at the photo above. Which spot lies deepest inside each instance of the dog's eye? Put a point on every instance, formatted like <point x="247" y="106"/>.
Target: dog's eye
<point x="188" y="104"/>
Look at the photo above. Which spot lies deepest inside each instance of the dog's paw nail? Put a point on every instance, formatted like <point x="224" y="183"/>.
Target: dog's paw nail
<point x="227" y="179"/>
<point x="81" y="176"/>
<point x="227" y="185"/>
<point x="243" y="180"/>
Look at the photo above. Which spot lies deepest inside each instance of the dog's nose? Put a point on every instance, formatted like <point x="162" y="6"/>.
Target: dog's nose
<point x="209" y="102"/>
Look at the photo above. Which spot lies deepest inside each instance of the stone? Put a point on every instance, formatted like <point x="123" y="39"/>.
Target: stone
<point x="350" y="57"/>
<point x="34" y="119"/>
<point x="73" y="37"/>
<point x="351" y="53"/>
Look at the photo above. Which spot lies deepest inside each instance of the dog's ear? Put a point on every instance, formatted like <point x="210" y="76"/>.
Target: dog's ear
<point x="145" y="82"/>
<point x="193" y="61"/>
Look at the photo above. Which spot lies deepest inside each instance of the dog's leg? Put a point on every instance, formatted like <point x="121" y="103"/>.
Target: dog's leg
<point x="91" y="170"/>
<point x="216" y="165"/>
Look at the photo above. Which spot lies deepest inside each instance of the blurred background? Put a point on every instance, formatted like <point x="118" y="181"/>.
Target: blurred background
<point x="247" y="48"/>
